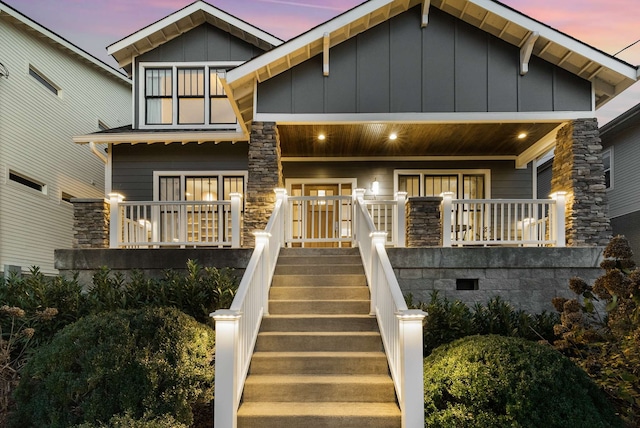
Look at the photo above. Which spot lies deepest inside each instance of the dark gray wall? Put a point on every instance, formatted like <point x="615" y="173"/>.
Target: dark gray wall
<point x="203" y="43"/>
<point x="545" y="173"/>
<point x="450" y="66"/>
<point x="506" y="181"/>
<point x="133" y="165"/>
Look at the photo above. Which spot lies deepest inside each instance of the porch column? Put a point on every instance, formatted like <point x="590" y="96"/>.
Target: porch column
<point x="423" y="222"/>
<point x="265" y="174"/>
<point x="578" y="170"/>
<point x="90" y="223"/>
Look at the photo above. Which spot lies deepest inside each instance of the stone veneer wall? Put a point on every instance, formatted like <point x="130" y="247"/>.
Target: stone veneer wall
<point x="265" y="174"/>
<point x="578" y="170"/>
<point x="90" y="223"/>
<point x="423" y="222"/>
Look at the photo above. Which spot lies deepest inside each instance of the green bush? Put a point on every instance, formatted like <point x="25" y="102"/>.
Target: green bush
<point x="126" y="421"/>
<point x="144" y="363"/>
<point x="496" y="381"/>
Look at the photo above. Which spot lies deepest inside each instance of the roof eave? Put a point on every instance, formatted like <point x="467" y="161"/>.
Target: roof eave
<point x="133" y="137"/>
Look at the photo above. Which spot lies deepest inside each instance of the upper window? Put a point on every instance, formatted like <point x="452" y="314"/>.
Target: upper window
<point x="43" y="80"/>
<point x="186" y="96"/>
<point x="463" y="184"/>
<point x="607" y="162"/>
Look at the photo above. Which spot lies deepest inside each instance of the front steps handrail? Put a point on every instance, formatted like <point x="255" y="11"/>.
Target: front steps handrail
<point x="237" y="327"/>
<point x="400" y="327"/>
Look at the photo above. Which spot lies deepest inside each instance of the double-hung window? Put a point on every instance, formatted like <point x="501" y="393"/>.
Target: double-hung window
<point x="185" y="96"/>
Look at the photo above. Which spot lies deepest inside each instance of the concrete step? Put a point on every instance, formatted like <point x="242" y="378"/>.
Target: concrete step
<point x="317" y="323"/>
<point x="319" y="363"/>
<point x="323" y="280"/>
<point x="285" y="252"/>
<point x="340" y="269"/>
<point x="319" y="415"/>
<point x="319" y="293"/>
<point x="319" y="388"/>
<point x="320" y="260"/>
<point x="319" y="342"/>
<point x="301" y="307"/>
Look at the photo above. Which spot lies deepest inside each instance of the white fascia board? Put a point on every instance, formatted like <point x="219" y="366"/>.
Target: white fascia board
<point x="559" y="38"/>
<point x="541" y="147"/>
<point x="305" y="39"/>
<point x="192" y="8"/>
<point x="436" y="118"/>
<point x="62" y="42"/>
<point x="395" y="158"/>
<point x="160" y="137"/>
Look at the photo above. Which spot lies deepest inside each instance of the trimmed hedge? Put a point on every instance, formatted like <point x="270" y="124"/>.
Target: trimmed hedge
<point x="496" y="381"/>
<point x="143" y="363"/>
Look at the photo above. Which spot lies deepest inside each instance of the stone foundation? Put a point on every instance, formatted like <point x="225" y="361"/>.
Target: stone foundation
<point x="423" y="222"/>
<point x="90" y="223"/>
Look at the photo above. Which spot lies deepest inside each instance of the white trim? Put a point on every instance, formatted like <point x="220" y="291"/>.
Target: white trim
<point x="611" y="181"/>
<point x="183" y="13"/>
<point x="459" y="172"/>
<point x="539" y="148"/>
<point x="183" y="174"/>
<point x="108" y="171"/>
<point x="162" y="137"/>
<point x="440" y="118"/>
<point x="395" y="158"/>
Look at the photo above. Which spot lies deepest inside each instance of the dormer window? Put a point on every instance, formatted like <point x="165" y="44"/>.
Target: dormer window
<point x="186" y="96"/>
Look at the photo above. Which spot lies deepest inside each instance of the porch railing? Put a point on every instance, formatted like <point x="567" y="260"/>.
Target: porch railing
<point x="175" y="223"/>
<point x="389" y="216"/>
<point x="400" y="327"/>
<point x="531" y="222"/>
<point x="237" y="327"/>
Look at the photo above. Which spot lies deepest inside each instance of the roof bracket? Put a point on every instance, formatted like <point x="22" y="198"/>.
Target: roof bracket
<point x="525" y="52"/>
<point x="326" y="39"/>
<point x="425" y="12"/>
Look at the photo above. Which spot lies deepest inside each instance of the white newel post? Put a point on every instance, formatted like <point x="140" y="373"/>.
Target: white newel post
<point x="376" y="238"/>
<point x="236" y="204"/>
<point x="115" y="220"/>
<point x="226" y="385"/>
<point x="262" y="238"/>
<point x="559" y="231"/>
<point x="412" y="395"/>
<point x="447" y="204"/>
<point x="400" y="226"/>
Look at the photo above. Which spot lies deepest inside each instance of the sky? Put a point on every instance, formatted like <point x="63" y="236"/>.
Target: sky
<point x="609" y="25"/>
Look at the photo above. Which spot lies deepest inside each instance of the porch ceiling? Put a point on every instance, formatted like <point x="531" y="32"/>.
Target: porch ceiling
<point x="361" y="140"/>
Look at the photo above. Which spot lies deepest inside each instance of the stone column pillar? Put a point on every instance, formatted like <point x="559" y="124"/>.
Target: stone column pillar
<point x="423" y="222"/>
<point x="265" y="174"/>
<point x="578" y="170"/>
<point x="90" y="223"/>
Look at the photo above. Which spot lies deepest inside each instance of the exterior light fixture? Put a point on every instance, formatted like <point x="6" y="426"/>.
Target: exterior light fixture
<point x="393" y="136"/>
<point x="375" y="187"/>
<point x="322" y="137"/>
<point x="522" y="135"/>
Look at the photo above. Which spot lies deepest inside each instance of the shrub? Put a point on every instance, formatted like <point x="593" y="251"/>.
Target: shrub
<point x="126" y="421"/>
<point x="145" y="362"/>
<point x="482" y="381"/>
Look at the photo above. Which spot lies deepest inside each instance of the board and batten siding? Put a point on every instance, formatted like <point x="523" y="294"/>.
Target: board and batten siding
<point x="398" y="67"/>
<point x="204" y="43"/>
<point x="36" y="130"/>
<point x="624" y="197"/>
<point x="134" y="165"/>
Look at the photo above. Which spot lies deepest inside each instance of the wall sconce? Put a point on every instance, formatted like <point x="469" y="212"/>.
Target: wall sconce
<point x="375" y="187"/>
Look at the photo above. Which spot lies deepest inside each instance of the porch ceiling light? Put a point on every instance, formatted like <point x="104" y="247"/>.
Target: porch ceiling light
<point x="522" y="135"/>
<point x="322" y="137"/>
<point x="393" y="136"/>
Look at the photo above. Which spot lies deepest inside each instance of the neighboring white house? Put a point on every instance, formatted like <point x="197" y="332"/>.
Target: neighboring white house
<point x="50" y="90"/>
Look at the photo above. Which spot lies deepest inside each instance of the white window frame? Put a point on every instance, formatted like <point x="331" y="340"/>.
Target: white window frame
<point x="142" y="104"/>
<point x="183" y="174"/>
<point x="43" y="192"/>
<point x="460" y="172"/>
<point x="610" y="152"/>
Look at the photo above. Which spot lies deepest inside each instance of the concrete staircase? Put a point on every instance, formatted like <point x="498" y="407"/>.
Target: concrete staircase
<point x="319" y="360"/>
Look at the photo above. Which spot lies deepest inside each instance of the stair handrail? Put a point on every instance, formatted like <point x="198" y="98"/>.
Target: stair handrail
<point x="400" y="327"/>
<point x="237" y="327"/>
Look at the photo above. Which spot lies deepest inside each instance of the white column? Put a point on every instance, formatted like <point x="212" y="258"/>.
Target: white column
<point x="412" y="389"/>
<point x="236" y="204"/>
<point x="400" y="226"/>
<point x="558" y="227"/>
<point x="226" y="367"/>
<point x="376" y="238"/>
<point x="115" y="220"/>
<point x="445" y="212"/>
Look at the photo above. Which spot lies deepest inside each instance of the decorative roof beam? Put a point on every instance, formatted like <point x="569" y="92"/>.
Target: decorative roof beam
<point x="425" y="12"/>
<point x="601" y="86"/>
<point x="525" y="52"/>
<point x="326" y="39"/>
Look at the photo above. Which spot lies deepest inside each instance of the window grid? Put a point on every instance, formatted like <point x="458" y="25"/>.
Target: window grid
<point x="191" y="96"/>
<point x="159" y="96"/>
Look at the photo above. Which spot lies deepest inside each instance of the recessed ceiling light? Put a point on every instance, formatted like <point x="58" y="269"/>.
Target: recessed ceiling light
<point x="393" y="136"/>
<point x="321" y="137"/>
<point x="522" y="135"/>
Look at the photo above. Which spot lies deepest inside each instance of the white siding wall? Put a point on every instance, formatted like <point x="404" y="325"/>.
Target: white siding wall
<point x="36" y="128"/>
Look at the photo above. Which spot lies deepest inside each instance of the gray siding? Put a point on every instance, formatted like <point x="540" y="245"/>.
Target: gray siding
<point x="203" y="43"/>
<point x="545" y="173"/>
<point x="506" y="181"/>
<point x="624" y="197"/>
<point x="133" y="166"/>
<point x="629" y="226"/>
<point x="397" y="67"/>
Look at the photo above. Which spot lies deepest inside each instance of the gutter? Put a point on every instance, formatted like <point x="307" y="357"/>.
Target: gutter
<point x="97" y="152"/>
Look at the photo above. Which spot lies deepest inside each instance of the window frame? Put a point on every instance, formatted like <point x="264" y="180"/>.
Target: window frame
<point x="604" y="171"/>
<point x="38" y="188"/>
<point x="44" y="81"/>
<point x="437" y="172"/>
<point x="207" y="67"/>
<point x="184" y="174"/>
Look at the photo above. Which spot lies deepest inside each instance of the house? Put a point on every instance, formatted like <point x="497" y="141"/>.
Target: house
<point x="407" y="128"/>
<point x="50" y="90"/>
<point x="620" y="138"/>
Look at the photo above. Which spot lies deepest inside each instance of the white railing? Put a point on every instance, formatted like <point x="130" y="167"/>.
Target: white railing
<point x="175" y="223"/>
<point x="319" y="219"/>
<point x="400" y="327"/>
<point x="531" y="222"/>
<point x="237" y="327"/>
<point x="389" y="216"/>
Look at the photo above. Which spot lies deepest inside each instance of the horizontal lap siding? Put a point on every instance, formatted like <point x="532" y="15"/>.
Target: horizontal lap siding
<point x="449" y="66"/>
<point x="36" y="130"/>
<point x="624" y="197"/>
<point x="133" y="166"/>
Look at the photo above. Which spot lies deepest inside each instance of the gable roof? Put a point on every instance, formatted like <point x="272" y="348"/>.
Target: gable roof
<point x="610" y="76"/>
<point x="182" y="21"/>
<point x="20" y="20"/>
